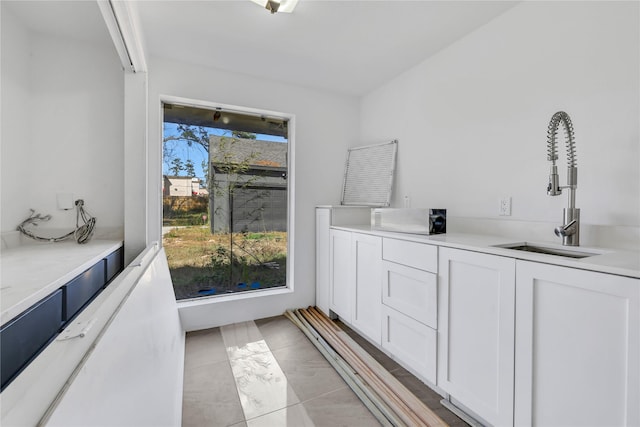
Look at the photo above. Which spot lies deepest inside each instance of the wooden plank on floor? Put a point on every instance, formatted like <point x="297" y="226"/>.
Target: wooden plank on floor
<point x="407" y="406"/>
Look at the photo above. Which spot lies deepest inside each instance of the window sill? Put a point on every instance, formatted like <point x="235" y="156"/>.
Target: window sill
<point x="245" y="295"/>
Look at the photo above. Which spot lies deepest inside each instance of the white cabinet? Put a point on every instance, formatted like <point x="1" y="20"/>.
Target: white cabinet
<point x="476" y="332"/>
<point x="326" y="216"/>
<point x="409" y="305"/>
<point x="366" y="252"/>
<point x="386" y="290"/>
<point x="513" y="342"/>
<point x="340" y="274"/>
<point x="323" y="222"/>
<point x="577" y="347"/>
<point x="354" y="283"/>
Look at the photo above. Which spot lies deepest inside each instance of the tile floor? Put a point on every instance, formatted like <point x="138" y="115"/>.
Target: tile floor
<point x="267" y="373"/>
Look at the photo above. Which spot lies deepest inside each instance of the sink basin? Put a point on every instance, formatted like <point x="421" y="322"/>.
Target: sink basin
<point x="547" y="250"/>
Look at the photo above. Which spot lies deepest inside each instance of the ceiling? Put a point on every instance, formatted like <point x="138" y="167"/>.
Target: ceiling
<point x="343" y="46"/>
<point x="348" y="47"/>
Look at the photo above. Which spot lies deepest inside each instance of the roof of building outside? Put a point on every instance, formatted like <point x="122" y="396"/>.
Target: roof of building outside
<point x="178" y="177"/>
<point x="256" y="152"/>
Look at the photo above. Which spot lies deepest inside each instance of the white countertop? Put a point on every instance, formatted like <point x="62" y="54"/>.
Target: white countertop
<point x="30" y="272"/>
<point x="612" y="261"/>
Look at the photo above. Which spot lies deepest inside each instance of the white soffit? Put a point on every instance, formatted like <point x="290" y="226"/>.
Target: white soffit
<point x="122" y="21"/>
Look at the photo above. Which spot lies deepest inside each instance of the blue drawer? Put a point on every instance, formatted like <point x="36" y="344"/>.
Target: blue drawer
<point x="25" y="336"/>
<point x="114" y="264"/>
<point x="79" y="291"/>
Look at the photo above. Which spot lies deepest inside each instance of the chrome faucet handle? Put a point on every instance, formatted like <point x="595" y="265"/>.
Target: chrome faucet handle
<point x="567" y="229"/>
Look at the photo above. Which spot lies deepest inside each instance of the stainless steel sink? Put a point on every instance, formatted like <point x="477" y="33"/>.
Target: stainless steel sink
<point x="547" y="250"/>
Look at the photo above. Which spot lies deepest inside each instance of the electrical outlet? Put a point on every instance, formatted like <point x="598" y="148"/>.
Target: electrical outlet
<point x="505" y="206"/>
<point x="65" y="201"/>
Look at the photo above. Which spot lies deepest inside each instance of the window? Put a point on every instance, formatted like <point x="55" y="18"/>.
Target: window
<point x="225" y="200"/>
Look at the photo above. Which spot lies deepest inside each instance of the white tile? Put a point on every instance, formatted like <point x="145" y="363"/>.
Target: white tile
<point x="262" y="386"/>
<point x="243" y="339"/>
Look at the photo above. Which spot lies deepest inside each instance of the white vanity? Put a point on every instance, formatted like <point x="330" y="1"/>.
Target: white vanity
<point x="511" y="337"/>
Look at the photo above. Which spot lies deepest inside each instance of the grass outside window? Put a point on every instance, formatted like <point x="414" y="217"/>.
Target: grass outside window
<point x="202" y="263"/>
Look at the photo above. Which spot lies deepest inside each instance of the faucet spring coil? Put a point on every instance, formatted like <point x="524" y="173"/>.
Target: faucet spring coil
<point x="552" y="136"/>
<point x="552" y="151"/>
<point x="571" y="147"/>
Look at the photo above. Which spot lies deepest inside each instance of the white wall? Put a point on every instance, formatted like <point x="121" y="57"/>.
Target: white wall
<point x="325" y="125"/>
<point x="77" y="129"/>
<point x="135" y="164"/>
<point x="472" y="119"/>
<point x="15" y="130"/>
<point x="62" y="128"/>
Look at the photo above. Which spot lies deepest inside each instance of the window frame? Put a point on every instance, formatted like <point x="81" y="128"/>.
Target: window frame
<point x="290" y="286"/>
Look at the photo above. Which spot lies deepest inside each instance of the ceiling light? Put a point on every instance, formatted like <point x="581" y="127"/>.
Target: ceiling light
<point x="274" y="6"/>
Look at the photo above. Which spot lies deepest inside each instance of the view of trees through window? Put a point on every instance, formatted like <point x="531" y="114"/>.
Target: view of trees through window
<point x="224" y="201"/>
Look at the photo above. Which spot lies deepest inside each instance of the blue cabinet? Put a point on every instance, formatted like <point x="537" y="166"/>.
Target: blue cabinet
<point x="81" y="290"/>
<point x="78" y="292"/>
<point x="25" y="336"/>
<point x="114" y="264"/>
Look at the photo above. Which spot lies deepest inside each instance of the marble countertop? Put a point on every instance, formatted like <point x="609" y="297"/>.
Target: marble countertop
<point x="612" y="261"/>
<point x="30" y="272"/>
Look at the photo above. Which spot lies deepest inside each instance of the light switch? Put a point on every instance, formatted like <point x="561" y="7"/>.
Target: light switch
<point x="65" y="201"/>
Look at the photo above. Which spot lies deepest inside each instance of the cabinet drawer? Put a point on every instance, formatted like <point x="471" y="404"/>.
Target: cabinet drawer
<point x="410" y="342"/>
<point x="114" y="264"/>
<point x="411" y="291"/>
<point x="23" y="337"/>
<point x="81" y="290"/>
<point x="412" y="254"/>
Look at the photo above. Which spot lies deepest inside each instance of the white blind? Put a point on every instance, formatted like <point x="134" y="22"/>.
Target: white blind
<point x="368" y="176"/>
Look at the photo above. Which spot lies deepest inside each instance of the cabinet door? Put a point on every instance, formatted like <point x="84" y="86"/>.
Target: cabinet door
<point x="476" y="332"/>
<point x="22" y="338"/>
<point x="367" y="256"/>
<point x="410" y="291"/>
<point x="410" y="342"/>
<point x="577" y="347"/>
<point x="340" y="274"/>
<point x="79" y="291"/>
<point x="114" y="264"/>
<point x="323" y="222"/>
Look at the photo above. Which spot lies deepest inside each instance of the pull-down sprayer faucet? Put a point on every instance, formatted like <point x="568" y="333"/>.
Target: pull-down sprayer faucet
<point x="570" y="229"/>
